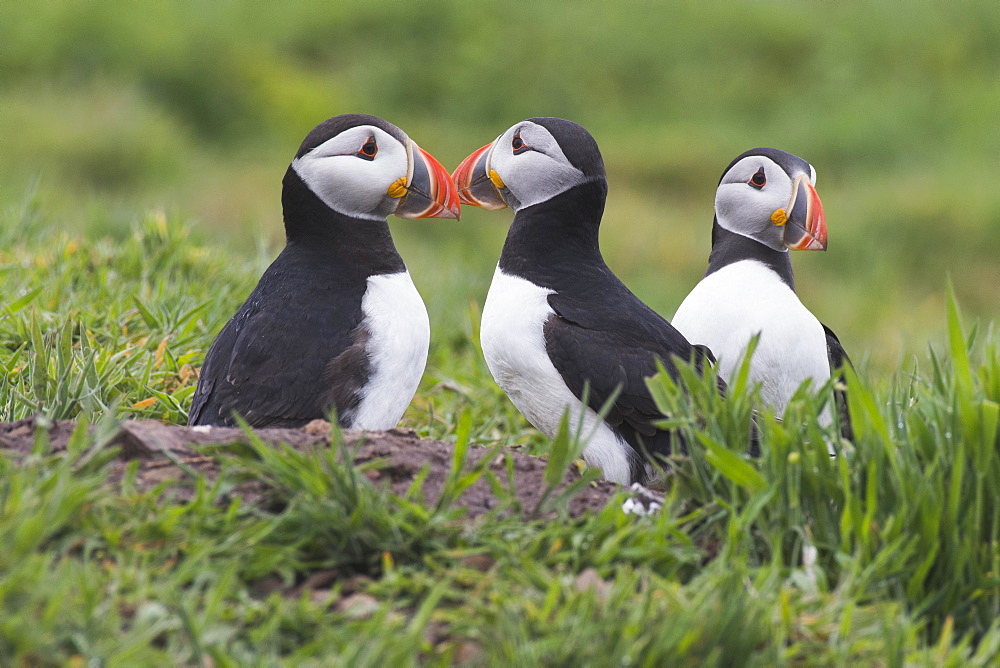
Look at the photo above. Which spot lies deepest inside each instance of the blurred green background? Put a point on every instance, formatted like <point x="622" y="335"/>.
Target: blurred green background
<point x="110" y="110"/>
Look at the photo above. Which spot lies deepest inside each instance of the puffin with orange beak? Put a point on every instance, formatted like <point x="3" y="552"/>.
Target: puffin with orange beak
<point x="766" y="205"/>
<point x="335" y="323"/>
<point x="560" y="332"/>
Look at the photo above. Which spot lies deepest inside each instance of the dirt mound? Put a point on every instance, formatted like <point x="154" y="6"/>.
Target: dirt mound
<point x="167" y="451"/>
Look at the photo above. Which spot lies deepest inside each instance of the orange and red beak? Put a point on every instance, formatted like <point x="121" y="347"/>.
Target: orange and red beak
<point x="475" y="185"/>
<point x="428" y="190"/>
<point x="805" y="228"/>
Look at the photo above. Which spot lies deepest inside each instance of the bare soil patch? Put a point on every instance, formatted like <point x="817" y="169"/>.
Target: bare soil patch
<point x="175" y="452"/>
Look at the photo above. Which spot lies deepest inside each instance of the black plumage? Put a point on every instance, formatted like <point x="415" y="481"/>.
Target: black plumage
<point x="601" y="335"/>
<point x="296" y="347"/>
<point x="729" y="247"/>
<point x="559" y="328"/>
<point x="838" y="360"/>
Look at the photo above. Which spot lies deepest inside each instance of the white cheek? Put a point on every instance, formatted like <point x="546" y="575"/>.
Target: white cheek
<point x="746" y="211"/>
<point x="354" y="186"/>
<point x="534" y="177"/>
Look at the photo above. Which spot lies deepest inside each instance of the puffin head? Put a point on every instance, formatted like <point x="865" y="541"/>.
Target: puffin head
<point x="770" y="196"/>
<point x="367" y="168"/>
<point x="532" y="162"/>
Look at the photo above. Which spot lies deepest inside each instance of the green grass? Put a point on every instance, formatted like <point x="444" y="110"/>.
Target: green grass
<point x="886" y="554"/>
<point x="112" y="114"/>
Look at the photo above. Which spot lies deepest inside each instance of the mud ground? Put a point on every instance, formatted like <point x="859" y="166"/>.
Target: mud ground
<point x="174" y="452"/>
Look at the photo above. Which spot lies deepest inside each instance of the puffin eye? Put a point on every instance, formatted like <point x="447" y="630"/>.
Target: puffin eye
<point x="518" y="144"/>
<point x="758" y="180"/>
<point x="369" y="150"/>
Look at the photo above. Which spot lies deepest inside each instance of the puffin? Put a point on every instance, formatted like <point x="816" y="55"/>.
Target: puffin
<point x="335" y="322"/>
<point x="766" y="204"/>
<point x="560" y="332"/>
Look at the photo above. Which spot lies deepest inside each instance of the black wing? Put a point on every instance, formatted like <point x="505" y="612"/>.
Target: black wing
<point x="285" y="358"/>
<point x="587" y="351"/>
<point x="838" y="360"/>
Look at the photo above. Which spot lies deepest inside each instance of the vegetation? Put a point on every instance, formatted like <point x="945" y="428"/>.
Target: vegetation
<point x="887" y="554"/>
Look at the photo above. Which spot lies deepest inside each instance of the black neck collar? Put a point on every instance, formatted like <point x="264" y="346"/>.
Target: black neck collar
<point x="561" y="233"/>
<point x="729" y="247"/>
<point x="312" y="226"/>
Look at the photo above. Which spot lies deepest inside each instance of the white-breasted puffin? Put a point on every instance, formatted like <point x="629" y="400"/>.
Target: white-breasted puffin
<point x="765" y="205"/>
<point x="556" y="318"/>
<point x="335" y="322"/>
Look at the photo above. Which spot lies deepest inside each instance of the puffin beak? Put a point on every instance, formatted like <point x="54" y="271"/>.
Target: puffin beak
<point x="427" y="190"/>
<point x="805" y="228"/>
<point x="474" y="183"/>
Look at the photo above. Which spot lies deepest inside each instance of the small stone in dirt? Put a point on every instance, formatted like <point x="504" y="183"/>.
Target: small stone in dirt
<point x="320" y="596"/>
<point x="590" y="579"/>
<point x="317" y="428"/>
<point x="467" y="652"/>
<point x="479" y="562"/>
<point x="357" y="606"/>
<point x="318" y="580"/>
